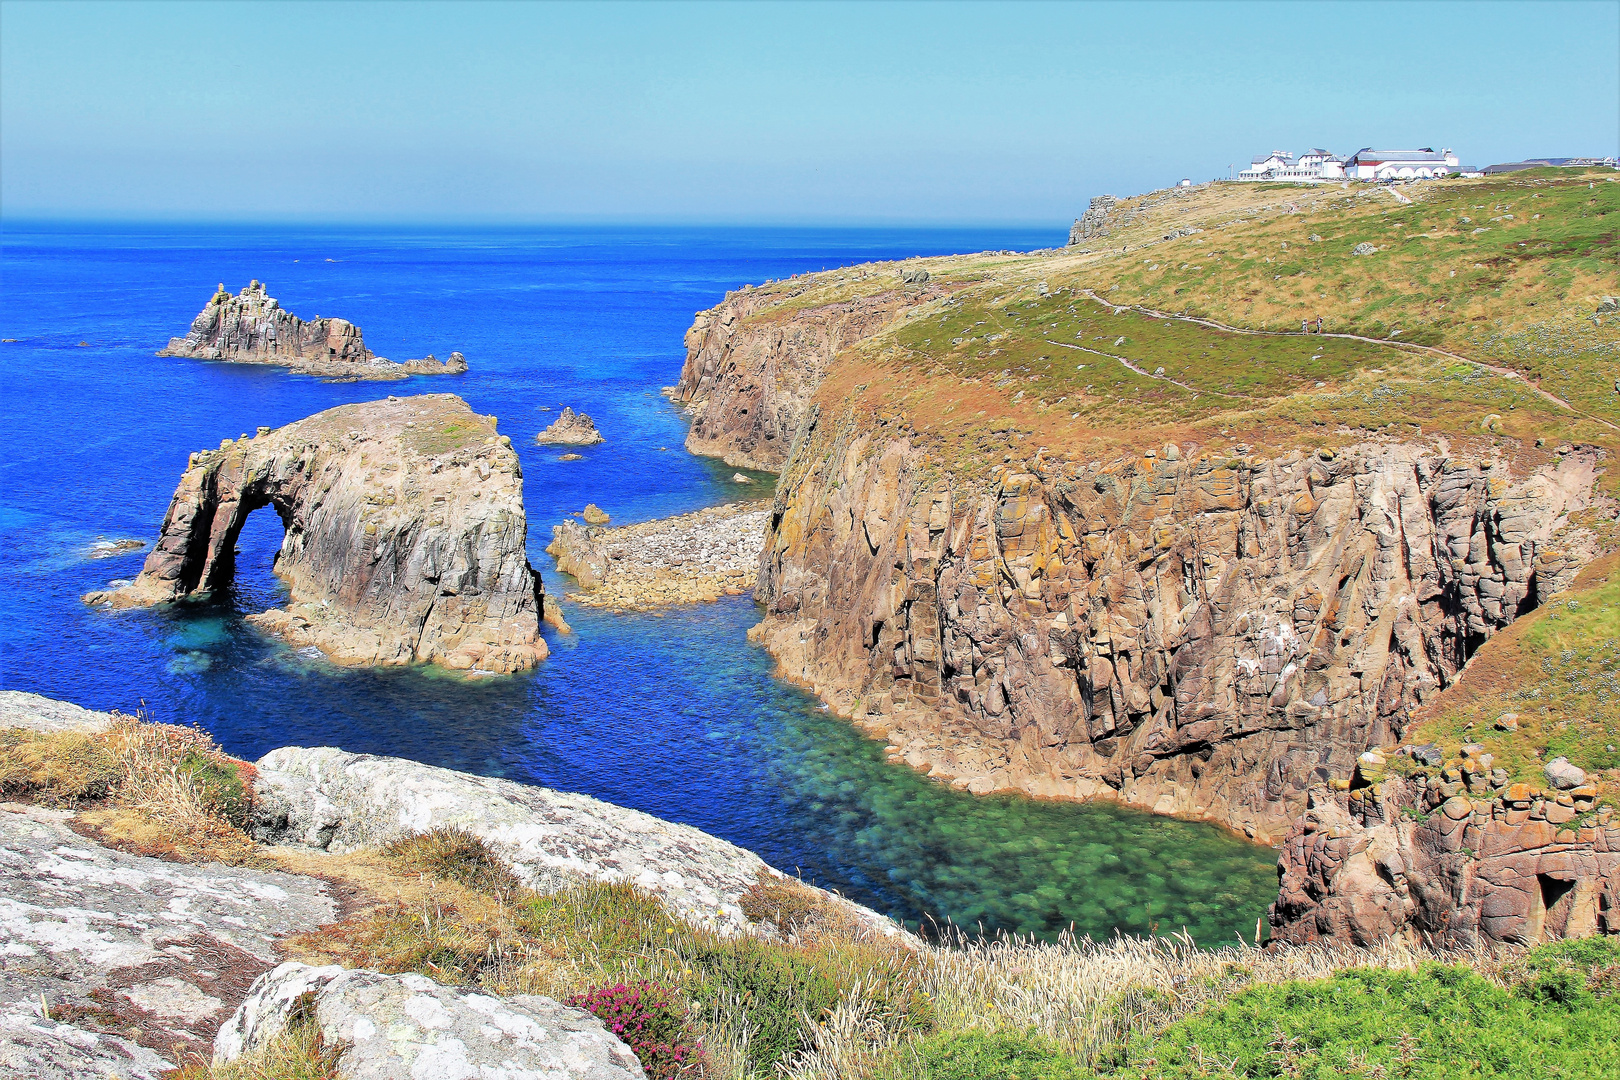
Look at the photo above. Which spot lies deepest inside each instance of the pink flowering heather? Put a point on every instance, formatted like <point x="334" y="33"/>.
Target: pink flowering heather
<point x="653" y="1026"/>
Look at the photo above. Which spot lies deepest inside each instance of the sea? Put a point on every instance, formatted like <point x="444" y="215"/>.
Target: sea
<point x="673" y="713"/>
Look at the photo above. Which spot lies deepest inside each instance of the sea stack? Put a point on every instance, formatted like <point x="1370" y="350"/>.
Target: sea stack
<point x="570" y="429"/>
<point x="251" y="327"/>
<point x="405" y="535"/>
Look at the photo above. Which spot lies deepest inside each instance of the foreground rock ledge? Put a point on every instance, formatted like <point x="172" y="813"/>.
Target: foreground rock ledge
<point x="337" y="801"/>
<point x="408" y="1026"/>
<point x="405" y="535"/>
<point x="252" y="328"/>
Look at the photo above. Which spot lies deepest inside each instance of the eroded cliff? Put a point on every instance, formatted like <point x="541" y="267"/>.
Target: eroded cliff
<point x="753" y="362"/>
<point x="405" y="535"/>
<point x="1192" y="635"/>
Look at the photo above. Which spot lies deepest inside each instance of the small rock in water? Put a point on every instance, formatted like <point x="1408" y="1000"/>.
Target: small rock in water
<point x="595" y="515"/>
<point x="572" y="457"/>
<point x="739" y="478"/>
<point x="106" y="549"/>
<point x="570" y="429"/>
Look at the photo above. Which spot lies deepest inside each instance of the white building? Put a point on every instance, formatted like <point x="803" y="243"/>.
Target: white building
<point x="1312" y="166"/>
<point x="1422" y="164"/>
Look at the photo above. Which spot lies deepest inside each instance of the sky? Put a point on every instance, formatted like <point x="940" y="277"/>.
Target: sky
<point x="819" y="113"/>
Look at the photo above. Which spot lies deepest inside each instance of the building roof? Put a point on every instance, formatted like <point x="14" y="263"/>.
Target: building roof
<point x="1369" y="155"/>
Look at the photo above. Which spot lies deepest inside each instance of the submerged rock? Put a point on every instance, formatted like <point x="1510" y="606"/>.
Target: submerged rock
<point x="405" y="535"/>
<point x="106" y="549"/>
<point x="570" y="429"/>
<point x="251" y="327"/>
<point x="406" y="1027"/>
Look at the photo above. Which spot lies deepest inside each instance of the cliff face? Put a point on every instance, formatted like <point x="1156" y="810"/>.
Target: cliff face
<point x="405" y="535"/>
<point x="752" y="366"/>
<point x="1198" y="637"/>
<point x="253" y="328"/>
<point x="1446" y="858"/>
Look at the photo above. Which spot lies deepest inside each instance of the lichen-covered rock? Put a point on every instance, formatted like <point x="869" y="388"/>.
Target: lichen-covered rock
<point x="40" y="1048"/>
<point x="405" y="535"/>
<point x="35" y="713"/>
<point x="167" y="948"/>
<point x="1562" y="775"/>
<point x="1200" y="636"/>
<point x="1451" y="861"/>
<point x="406" y="1027"/>
<point x="338" y="801"/>
<point x="253" y="328"/>
<point x="570" y="429"/>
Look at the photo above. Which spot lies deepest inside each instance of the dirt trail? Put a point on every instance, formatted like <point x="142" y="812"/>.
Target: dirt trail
<point x="1506" y="373"/>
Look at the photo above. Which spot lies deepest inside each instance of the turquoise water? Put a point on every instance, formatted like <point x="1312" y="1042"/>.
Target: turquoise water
<point x="675" y="714"/>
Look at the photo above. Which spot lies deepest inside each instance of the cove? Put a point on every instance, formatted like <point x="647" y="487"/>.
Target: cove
<point x="674" y="714"/>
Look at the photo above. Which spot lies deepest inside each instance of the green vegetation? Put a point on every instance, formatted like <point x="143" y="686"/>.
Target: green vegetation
<point x="1556" y="673"/>
<point x="1558" y="1018"/>
<point x="981" y="1055"/>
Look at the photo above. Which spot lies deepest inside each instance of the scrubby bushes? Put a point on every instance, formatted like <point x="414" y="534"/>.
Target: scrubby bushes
<point x="155" y="789"/>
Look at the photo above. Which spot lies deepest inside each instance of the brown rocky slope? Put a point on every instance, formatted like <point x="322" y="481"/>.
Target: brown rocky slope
<point x="405" y="535"/>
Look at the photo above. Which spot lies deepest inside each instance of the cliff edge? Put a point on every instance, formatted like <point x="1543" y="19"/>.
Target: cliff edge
<point x="404" y="543"/>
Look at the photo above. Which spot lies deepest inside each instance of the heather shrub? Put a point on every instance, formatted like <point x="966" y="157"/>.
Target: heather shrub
<point x="61" y="768"/>
<point x="450" y="853"/>
<point x="650" y="1023"/>
<point x="981" y="1055"/>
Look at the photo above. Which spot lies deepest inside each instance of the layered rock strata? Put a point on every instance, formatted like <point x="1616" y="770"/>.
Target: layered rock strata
<point x="251" y="327"/>
<point x="754" y="361"/>
<point x="1451" y="857"/>
<point x="680" y="560"/>
<point x="408" y="1027"/>
<point x="570" y="429"/>
<point x="405" y="535"/>
<point x="338" y="801"/>
<point x="1198" y="637"/>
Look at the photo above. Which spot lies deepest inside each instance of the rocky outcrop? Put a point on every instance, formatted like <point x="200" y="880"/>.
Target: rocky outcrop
<point x="338" y="801"/>
<point x="405" y="535"/>
<point x="679" y="560"/>
<point x="1449" y="856"/>
<point x="1193" y="636"/>
<point x="1095" y="223"/>
<point x="31" y="712"/>
<point x="252" y="328"/>
<point x="570" y="429"/>
<point x="753" y="362"/>
<point x="156" y="953"/>
<point x="406" y="1027"/>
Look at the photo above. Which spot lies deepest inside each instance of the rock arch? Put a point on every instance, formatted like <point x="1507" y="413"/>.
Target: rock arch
<point x="405" y="535"/>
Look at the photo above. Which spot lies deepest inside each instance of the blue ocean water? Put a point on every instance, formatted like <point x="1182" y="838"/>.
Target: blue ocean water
<point x="675" y="714"/>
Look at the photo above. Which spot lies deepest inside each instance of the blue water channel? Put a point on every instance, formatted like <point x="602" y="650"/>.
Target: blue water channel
<point x="675" y="713"/>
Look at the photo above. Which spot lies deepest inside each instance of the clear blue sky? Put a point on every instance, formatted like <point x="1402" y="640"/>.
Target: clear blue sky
<point x="732" y="112"/>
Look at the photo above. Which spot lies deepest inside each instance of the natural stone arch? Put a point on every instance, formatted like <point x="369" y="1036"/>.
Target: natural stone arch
<point x="404" y="535"/>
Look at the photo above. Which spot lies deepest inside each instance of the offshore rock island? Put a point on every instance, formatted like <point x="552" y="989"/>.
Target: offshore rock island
<point x="1137" y="526"/>
<point x="251" y="327"/>
<point x="404" y="540"/>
